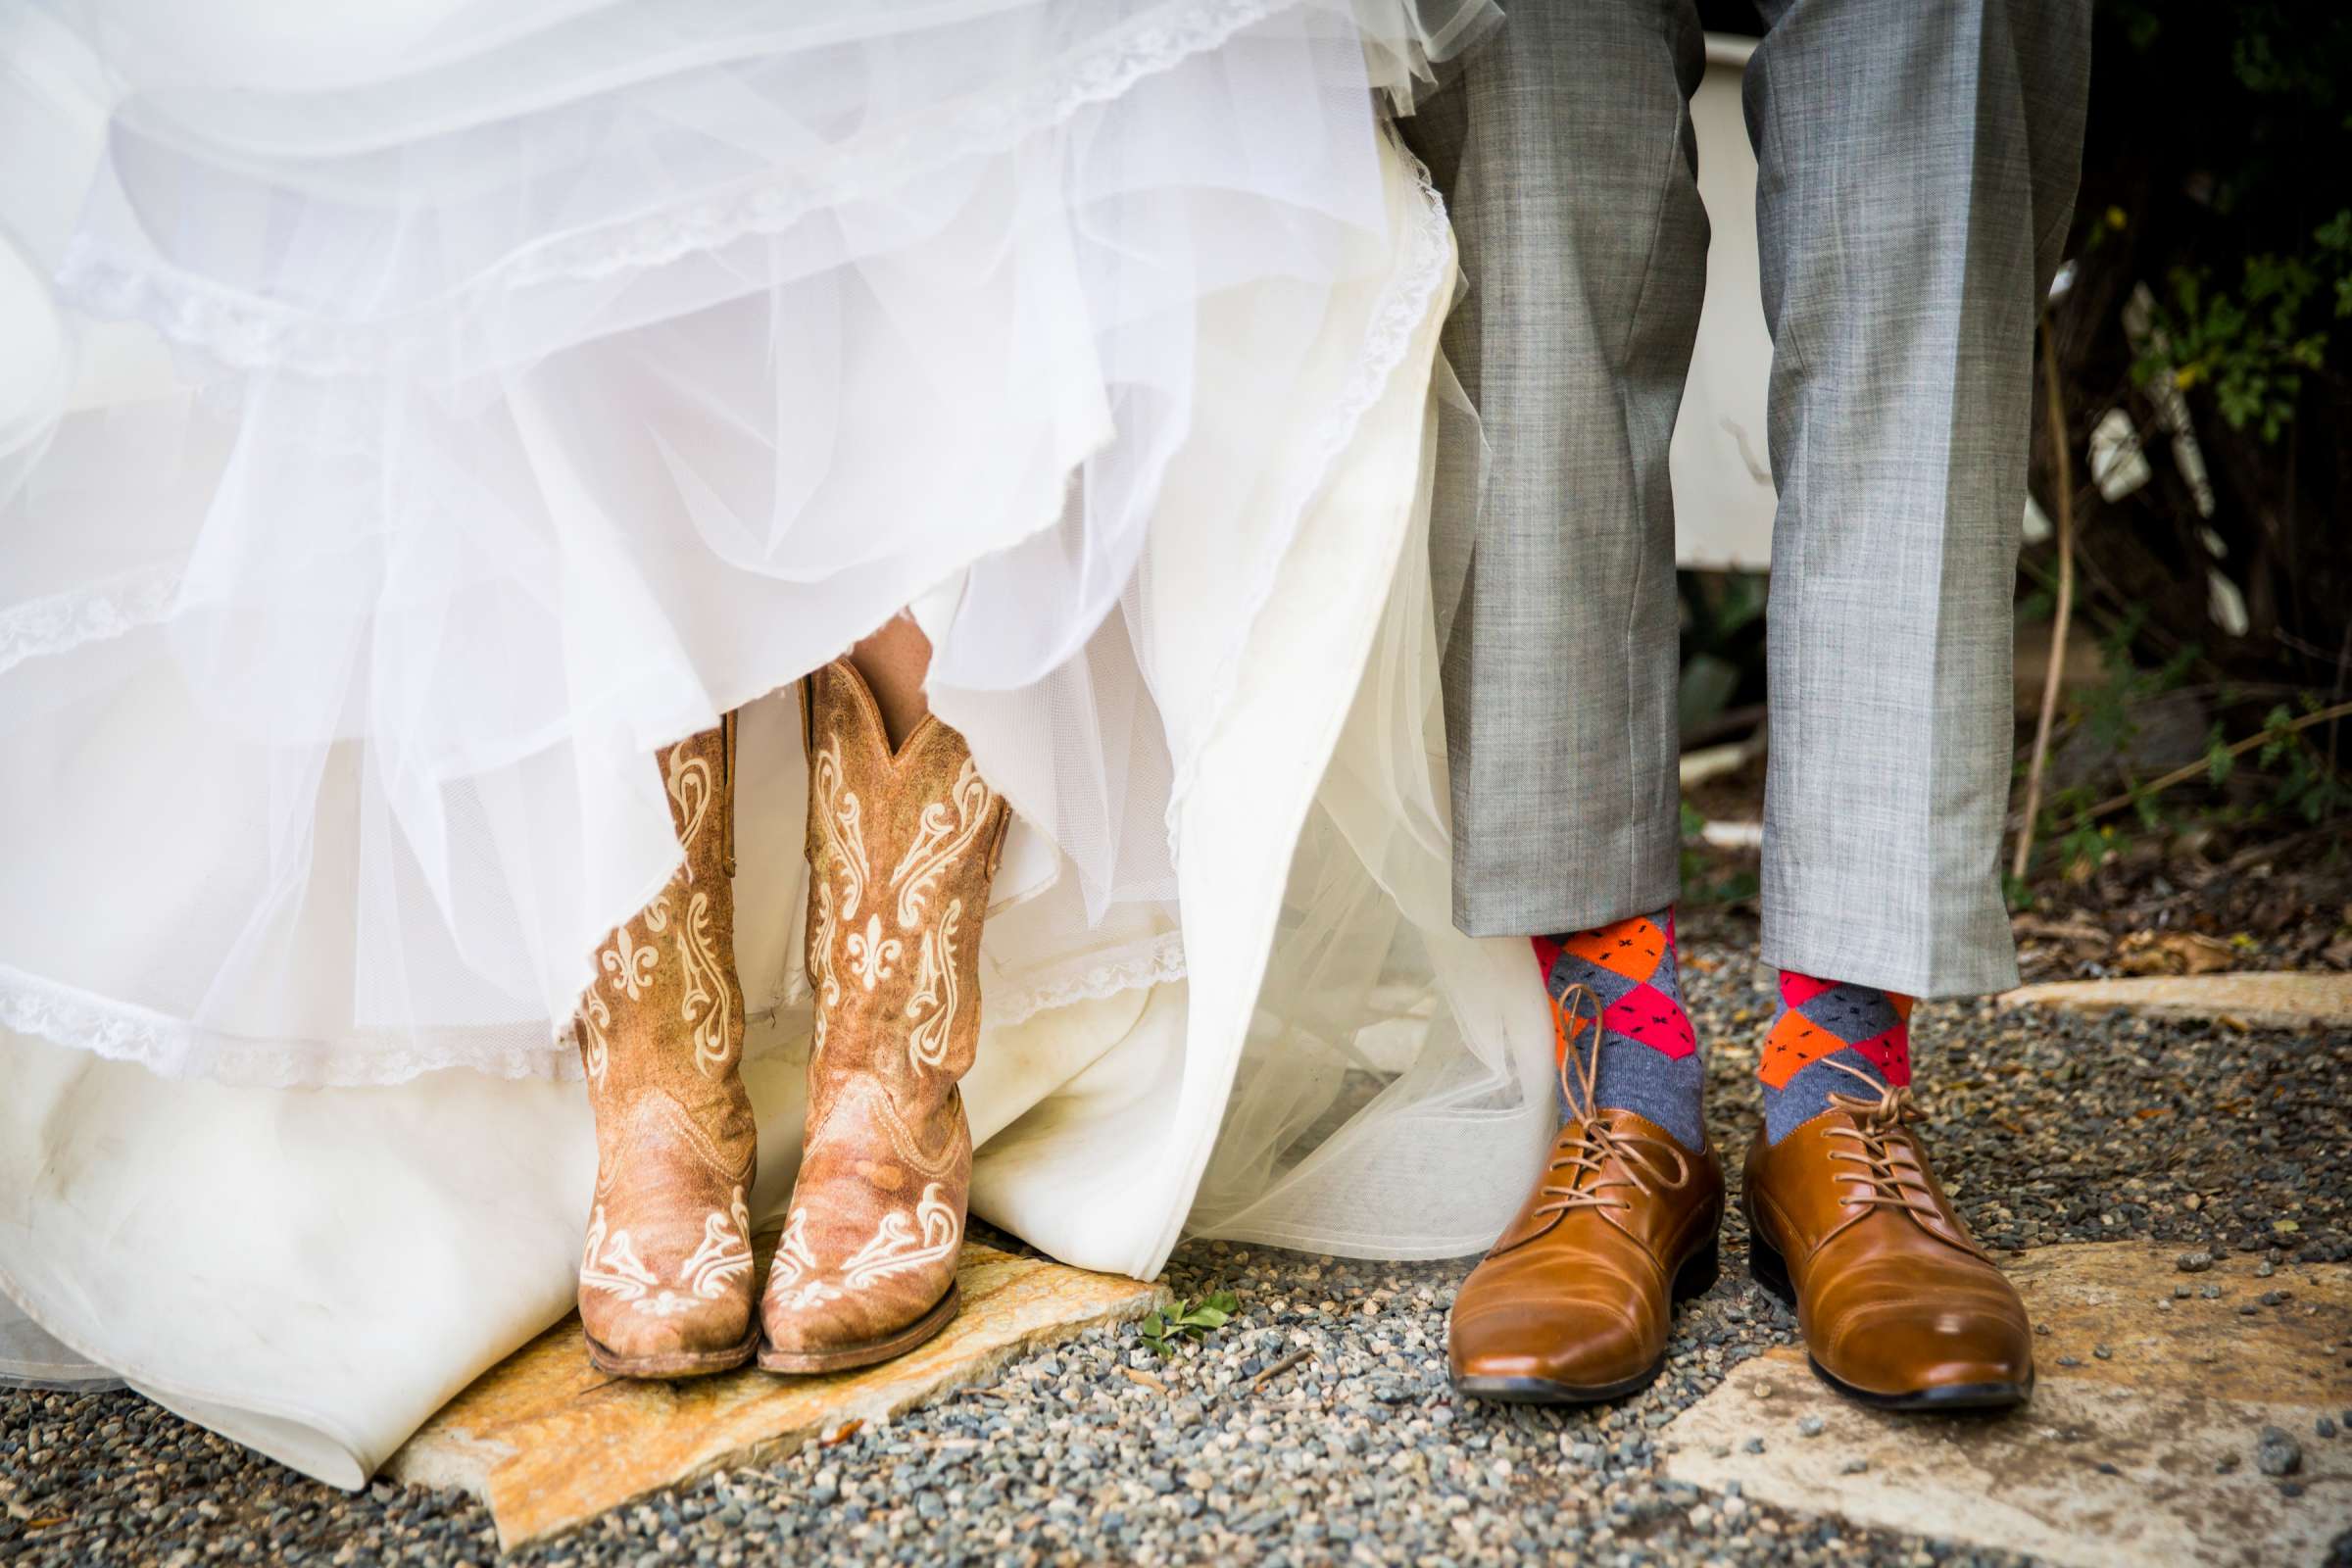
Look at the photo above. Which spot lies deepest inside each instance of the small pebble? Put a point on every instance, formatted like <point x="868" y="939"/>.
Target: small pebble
<point x="2277" y="1453"/>
<point x="2325" y="1426"/>
<point x="2102" y="1352"/>
<point x="1752" y="1446"/>
<point x="2181" y="1293"/>
<point x="1853" y="1468"/>
<point x="2211" y="1293"/>
<point x="2196" y="1262"/>
<point x="1809" y="1427"/>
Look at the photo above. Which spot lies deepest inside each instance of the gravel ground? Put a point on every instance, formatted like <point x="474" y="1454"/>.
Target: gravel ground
<point x="1317" y="1427"/>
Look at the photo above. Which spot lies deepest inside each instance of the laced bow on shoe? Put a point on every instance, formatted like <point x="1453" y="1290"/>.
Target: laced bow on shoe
<point x="1878" y="1131"/>
<point x="1587" y="1143"/>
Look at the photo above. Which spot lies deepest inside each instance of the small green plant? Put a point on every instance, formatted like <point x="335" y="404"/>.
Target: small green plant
<point x="2306" y="786"/>
<point x="2255" y="344"/>
<point x="1162" y="1332"/>
<point x="2303" y="782"/>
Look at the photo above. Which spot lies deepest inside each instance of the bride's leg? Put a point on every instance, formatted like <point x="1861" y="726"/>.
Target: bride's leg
<point x="904" y="839"/>
<point x="894" y="661"/>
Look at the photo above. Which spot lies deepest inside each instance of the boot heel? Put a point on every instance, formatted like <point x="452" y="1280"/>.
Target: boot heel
<point x="1768" y="1268"/>
<point x="1699" y="1273"/>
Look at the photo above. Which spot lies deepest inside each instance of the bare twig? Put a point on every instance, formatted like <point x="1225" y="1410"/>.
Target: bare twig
<point x="2203" y="765"/>
<point x="1278" y="1369"/>
<point x="1147" y="1380"/>
<point x="2055" y="676"/>
<point x="2281" y="849"/>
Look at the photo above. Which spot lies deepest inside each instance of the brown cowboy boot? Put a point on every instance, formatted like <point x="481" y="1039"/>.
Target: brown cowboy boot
<point x="901" y="848"/>
<point x="1572" y="1305"/>
<point x="1900" y="1308"/>
<point x="665" y="1281"/>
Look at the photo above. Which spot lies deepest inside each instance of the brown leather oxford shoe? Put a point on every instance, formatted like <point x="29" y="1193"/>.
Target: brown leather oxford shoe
<point x="1900" y="1308"/>
<point x="1573" y="1302"/>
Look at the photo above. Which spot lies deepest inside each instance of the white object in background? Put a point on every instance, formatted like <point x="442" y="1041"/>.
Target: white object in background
<point x="2226" y="605"/>
<point x="2116" y="465"/>
<point x="2037" y="521"/>
<point x="1723" y="495"/>
<point x="1732" y="835"/>
<point x="1713" y="762"/>
<point x="2171" y="409"/>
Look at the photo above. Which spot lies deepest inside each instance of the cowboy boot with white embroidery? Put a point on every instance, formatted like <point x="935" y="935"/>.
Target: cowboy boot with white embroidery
<point x="903" y="845"/>
<point x="665" y="1281"/>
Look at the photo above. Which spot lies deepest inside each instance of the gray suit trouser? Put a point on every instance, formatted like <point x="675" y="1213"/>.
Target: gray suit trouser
<point x="1917" y="168"/>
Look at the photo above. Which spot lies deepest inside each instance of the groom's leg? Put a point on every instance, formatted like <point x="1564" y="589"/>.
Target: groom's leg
<point x="1568" y="161"/>
<point x="1917" y="175"/>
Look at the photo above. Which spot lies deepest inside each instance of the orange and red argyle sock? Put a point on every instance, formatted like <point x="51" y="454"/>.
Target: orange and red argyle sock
<point x="1649" y="1061"/>
<point x="1826" y="1021"/>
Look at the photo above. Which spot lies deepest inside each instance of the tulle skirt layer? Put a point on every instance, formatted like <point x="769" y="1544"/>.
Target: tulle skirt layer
<point x="426" y="416"/>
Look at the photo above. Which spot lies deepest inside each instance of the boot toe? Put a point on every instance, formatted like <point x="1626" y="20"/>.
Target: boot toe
<point x="809" y="1323"/>
<point x="667" y="1334"/>
<point x="673" y="1325"/>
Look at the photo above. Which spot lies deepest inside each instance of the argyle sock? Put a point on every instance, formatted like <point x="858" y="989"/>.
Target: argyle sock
<point x="1649" y="1061"/>
<point x="1821" y="1022"/>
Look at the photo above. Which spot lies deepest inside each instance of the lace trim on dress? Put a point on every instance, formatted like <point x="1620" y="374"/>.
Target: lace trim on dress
<point x="1403" y="307"/>
<point x="247" y="332"/>
<point x="170" y="1048"/>
<point x="39" y="627"/>
<point x="1088" y="979"/>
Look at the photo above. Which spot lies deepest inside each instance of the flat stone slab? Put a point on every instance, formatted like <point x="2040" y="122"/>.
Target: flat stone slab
<point x="549" y="1443"/>
<point x="2118" y="1463"/>
<point x="2275" y="1000"/>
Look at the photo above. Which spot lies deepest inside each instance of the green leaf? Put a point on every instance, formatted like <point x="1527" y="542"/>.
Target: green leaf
<point x="2219" y="763"/>
<point x="1153" y="1326"/>
<point x="1207" y="1317"/>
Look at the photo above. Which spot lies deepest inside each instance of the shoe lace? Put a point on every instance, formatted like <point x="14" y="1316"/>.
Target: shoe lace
<point x="1586" y="1144"/>
<point x="1878" y="1120"/>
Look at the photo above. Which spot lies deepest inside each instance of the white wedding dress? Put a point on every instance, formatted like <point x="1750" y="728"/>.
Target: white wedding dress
<point x="417" y="416"/>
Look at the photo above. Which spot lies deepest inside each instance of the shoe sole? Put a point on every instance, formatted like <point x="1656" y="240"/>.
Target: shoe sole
<point x="867" y="1352"/>
<point x="1768" y="1268"/>
<point x="675" y="1363"/>
<point x="1695" y="1278"/>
